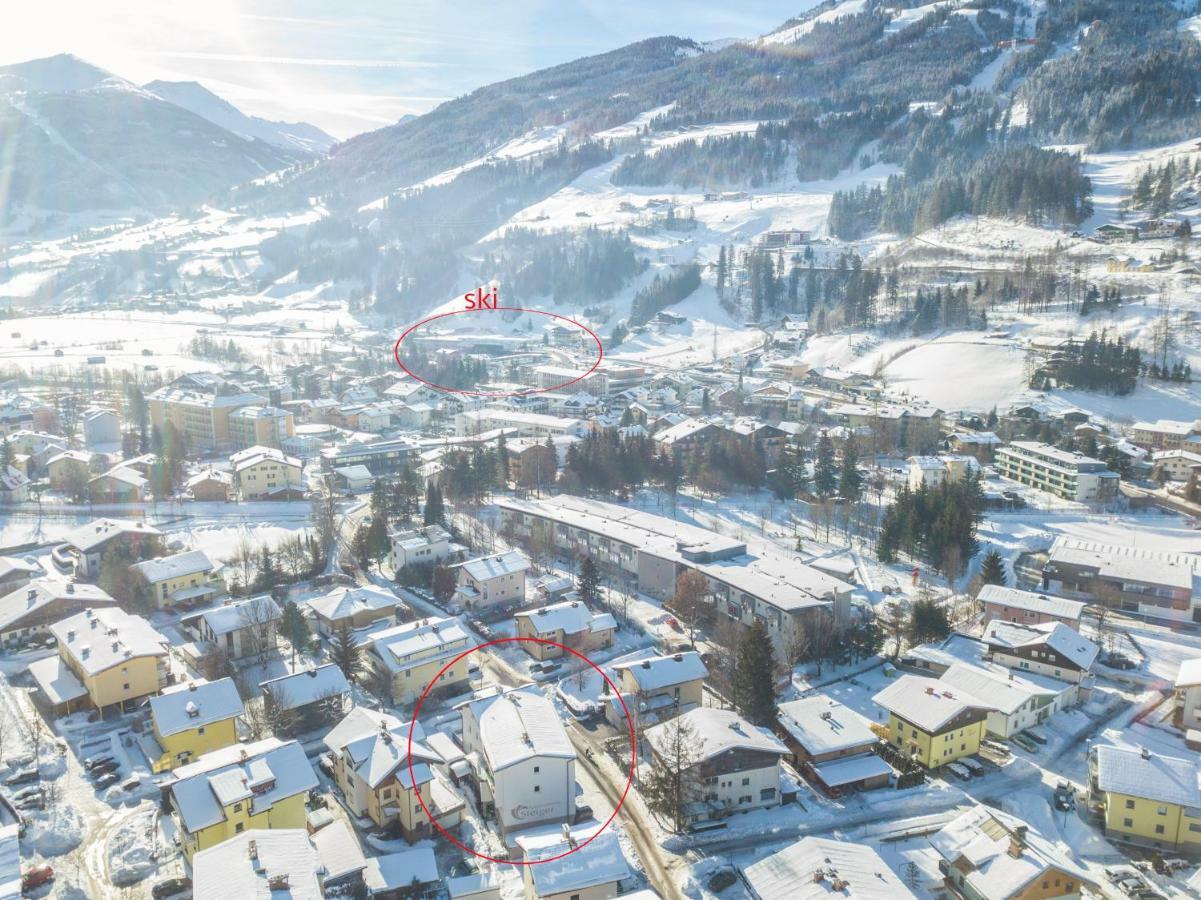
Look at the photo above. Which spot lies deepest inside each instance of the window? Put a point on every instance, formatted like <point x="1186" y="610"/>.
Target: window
<point x="767" y="793"/>
<point x="237" y="807"/>
<point x="537" y="788"/>
<point x="1046" y="884"/>
<point x="125" y="686"/>
<point x="200" y="730"/>
<point x="1127" y="823"/>
<point x="1193" y="826"/>
<point x="1159" y="829"/>
<point x="1162" y="811"/>
<point x="238" y="828"/>
<point x="537" y="769"/>
<point x="746" y="782"/>
<point x="1130" y="804"/>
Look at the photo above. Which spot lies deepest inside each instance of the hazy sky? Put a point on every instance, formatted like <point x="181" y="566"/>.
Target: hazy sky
<point x="355" y="65"/>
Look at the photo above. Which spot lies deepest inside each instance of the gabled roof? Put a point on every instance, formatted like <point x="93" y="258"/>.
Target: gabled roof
<point x="1151" y="776"/>
<point x="40" y="593"/>
<point x="243" y="613"/>
<point x="792" y="873"/>
<point x="376" y="743"/>
<point x="822" y="725"/>
<point x="415" y="643"/>
<point x="1031" y="602"/>
<point x="570" y="616"/>
<point x="254" y="455"/>
<point x="227" y="869"/>
<point x="658" y="672"/>
<point x="1003" y="691"/>
<point x="517" y="725"/>
<point x="95" y="534"/>
<point x="99" y="639"/>
<point x="926" y="703"/>
<point x="715" y="731"/>
<point x="508" y="562"/>
<point x="598" y="862"/>
<point x="306" y="686"/>
<point x="192" y="704"/>
<point x="1188" y="676"/>
<point x="1077" y="649"/>
<point x="179" y="565"/>
<point x="343" y="602"/>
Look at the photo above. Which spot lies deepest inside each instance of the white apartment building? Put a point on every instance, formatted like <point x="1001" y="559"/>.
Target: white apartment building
<point x="487" y="582"/>
<point x="528" y="424"/>
<point x="523" y="761"/>
<point x="1072" y="476"/>
<point x="422" y="546"/>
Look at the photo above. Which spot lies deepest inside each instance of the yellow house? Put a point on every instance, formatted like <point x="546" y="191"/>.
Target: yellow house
<point x="263" y="472"/>
<point x="237" y="788"/>
<point x="371" y="769"/>
<point x="182" y="577"/>
<point x="189" y="720"/>
<point x="1148" y="799"/>
<point x="412" y="654"/>
<point x="106" y="657"/>
<point x="570" y="623"/>
<point x="929" y="723"/>
<point x="674" y="680"/>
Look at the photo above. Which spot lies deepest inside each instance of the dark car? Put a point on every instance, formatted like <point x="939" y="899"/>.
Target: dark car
<point x="33" y="801"/>
<point x="93" y="761"/>
<point x="325" y="764"/>
<point x="1118" y="661"/>
<point x="583" y="813"/>
<point x="22" y="776"/>
<point x="170" y="888"/>
<point x="36" y="877"/>
<point x="104" y="768"/>
<point x="1065" y="797"/>
<point x="107" y="780"/>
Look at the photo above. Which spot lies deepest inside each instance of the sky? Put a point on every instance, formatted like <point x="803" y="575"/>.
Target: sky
<point x="355" y="65"/>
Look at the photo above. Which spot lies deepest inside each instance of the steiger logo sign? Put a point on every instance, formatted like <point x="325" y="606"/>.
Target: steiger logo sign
<point x="524" y="813"/>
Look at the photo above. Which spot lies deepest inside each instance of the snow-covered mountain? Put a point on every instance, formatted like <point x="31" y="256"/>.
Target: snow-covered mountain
<point x="296" y="137"/>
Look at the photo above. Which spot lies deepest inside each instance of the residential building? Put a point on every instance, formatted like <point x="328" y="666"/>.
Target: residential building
<point x="188" y="577"/>
<point x="570" y="623"/>
<point x="351" y="608"/>
<point x="106" y="658"/>
<point x="408" y="873"/>
<point x="578" y="865"/>
<point x="1064" y="473"/>
<point x="832" y="744"/>
<point x="190" y="719"/>
<point x="1148" y="798"/>
<point x="371" y="757"/>
<point x="492" y="582"/>
<point x="891" y="424"/>
<point x="1133" y="579"/>
<point x="239" y="628"/>
<point x="260" y="426"/>
<point x="658" y="688"/>
<point x="735" y="765"/>
<point x="644" y="552"/>
<point x="29" y="611"/>
<point x="201" y="416"/>
<point x="89" y="542"/>
<point x="527" y="424"/>
<point x="311" y="698"/>
<point x="423" y="546"/>
<point x="1015" y="701"/>
<point x="263" y="473"/>
<point x="412" y="654"/>
<point x="985" y="854"/>
<point x="282" y="862"/>
<point x="243" y="787"/>
<point x="816" y="868"/>
<point x="1006" y="604"/>
<point x="553" y="377"/>
<point x="1164" y="434"/>
<point x="101" y="429"/>
<point x="1174" y="465"/>
<point x="532" y="463"/>
<point x="522" y="761"/>
<point x="1051" y="649"/>
<point x="1187" y="694"/>
<point x="17" y="572"/>
<point x="210" y="485"/>
<point x="981" y="445"/>
<point x="931" y="472"/>
<point x="118" y="485"/>
<point x="69" y="471"/>
<point x="386" y="457"/>
<point x="930" y="723"/>
<point x="14" y="485"/>
<point x="353" y="479"/>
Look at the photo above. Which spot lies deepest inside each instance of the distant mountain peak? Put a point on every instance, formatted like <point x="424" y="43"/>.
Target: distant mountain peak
<point x="58" y="74"/>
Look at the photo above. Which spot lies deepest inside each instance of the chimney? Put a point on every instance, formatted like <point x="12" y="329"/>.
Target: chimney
<point x="930" y="691"/>
<point x="312" y="672"/>
<point x="191" y="685"/>
<point x="679" y="657"/>
<point x="70" y="587"/>
<point x="1144" y="752"/>
<point x="646" y="664"/>
<point x="252" y="847"/>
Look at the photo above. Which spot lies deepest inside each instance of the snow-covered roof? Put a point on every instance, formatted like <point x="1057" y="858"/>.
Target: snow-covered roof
<point x="376" y="744"/>
<point x="254" y="455"/>
<point x="715" y="731"/>
<point x="926" y="703"/>
<point x="338" y="850"/>
<point x="1004" y="691"/>
<point x="179" y="565"/>
<point x="570" y="617"/>
<point x="357" y="472"/>
<point x="398" y="871"/>
<point x="250" y="611"/>
<point x="306" y="686"/>
<point x="1115" y="561"/>
<point x="657" y="672"/>
<point x="792" y="873"/>
<point x="123" y="474"/>
<point x="484" y="568"/>
<point x="415" y="643"/>
<point x="1151" y="776"/>
<point x="822" y="725"/>
<point x="195" y="703"/>
<point x="262" y="772"/>
<point x="1190" y="673"/>
<point x="598" y="862"/>
<point x="228" y="869"/>
<point x="517" y="725"/>
<point x="851" y="769"/>
<point x="984" y="844"/>
<point x="98" y="639"/>
<point x="41" y="592"/>
<point x="209" y="475"/>
<point x="480" y="882"/>
<point x="94" y="534"/>
<point x="1030" y="601"/>
<point x="344" y="602"/>
<point x="1077" y="649"/>
<point x="27" y="565"/>
<point x="57" y="682"/>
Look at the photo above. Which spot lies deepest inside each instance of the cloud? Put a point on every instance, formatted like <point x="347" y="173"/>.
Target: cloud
<point x="304" y="60"/>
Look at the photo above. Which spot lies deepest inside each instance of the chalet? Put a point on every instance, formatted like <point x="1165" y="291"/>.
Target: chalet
<point x="571" y="624"/>
<point x="30" y="610"/>
<point x="352" y="608"/>
<point x="88" y="543"/>
<point x="239" y="628"/>
<point x="659" y="687"/>
<point x="816" y="868"/>
<point x="210" y="484"/>
<point x="832" y="744"/>
<point x="315" y="696"/>
<point x="932" y="724"/>
<point x="182" y="578"/>
<point x="490" y="582"/>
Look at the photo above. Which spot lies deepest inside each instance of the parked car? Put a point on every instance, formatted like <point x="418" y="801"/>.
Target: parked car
<point x="1065" y="797"/>
<point x="22" y="776"/>
<point x="36" y="877"/>
<point x="31" y="791"/>
<point x="1035" y="736"/>
<point x="106" y="780"/>
<point x="325" y="764"/>
<point x="104" y="768"/>
<point x="93" y="761"/>
<point x="170" y="888"/>
<point x="1118" y="661"/>
<point x="583" y="813"/>
<point x="1024" y="742"/>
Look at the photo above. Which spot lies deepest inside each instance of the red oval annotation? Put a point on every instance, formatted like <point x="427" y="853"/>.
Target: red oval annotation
<point x="525" y="392"/>
<point x="624" y="709"/>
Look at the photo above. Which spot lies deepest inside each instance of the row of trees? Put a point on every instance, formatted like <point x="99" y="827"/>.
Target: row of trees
<point x="936" y="525"/>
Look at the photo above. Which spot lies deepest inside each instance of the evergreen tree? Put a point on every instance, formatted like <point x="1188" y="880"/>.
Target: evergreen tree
<point x="588" y="582"/>
<point x="295" y="627"/>
<point x="929" y="623"/>
<point x="435" y="514"/>
<point x="378" y="544"/>
<point x="850" y="480"/>
<point x="754" y="680"/>
<point x="825" y="468"/>
<point x="992" y="570"/>
<point x="346" y="654"/>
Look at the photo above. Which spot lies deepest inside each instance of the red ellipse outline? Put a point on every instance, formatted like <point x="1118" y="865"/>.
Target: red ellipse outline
<point x="600" y="353"/>
<point x="625" y="711"/>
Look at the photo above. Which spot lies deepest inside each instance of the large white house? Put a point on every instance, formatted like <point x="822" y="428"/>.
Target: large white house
<point x="487" y="582"/>
<point x="524" y="762"/>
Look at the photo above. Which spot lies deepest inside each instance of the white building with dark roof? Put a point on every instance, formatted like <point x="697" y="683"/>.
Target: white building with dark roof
<point x="1052" y="649"/>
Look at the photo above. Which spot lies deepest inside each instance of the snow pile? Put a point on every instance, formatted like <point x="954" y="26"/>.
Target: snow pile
<point x="131" y="853"/>
<point x="56" y="831"/>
